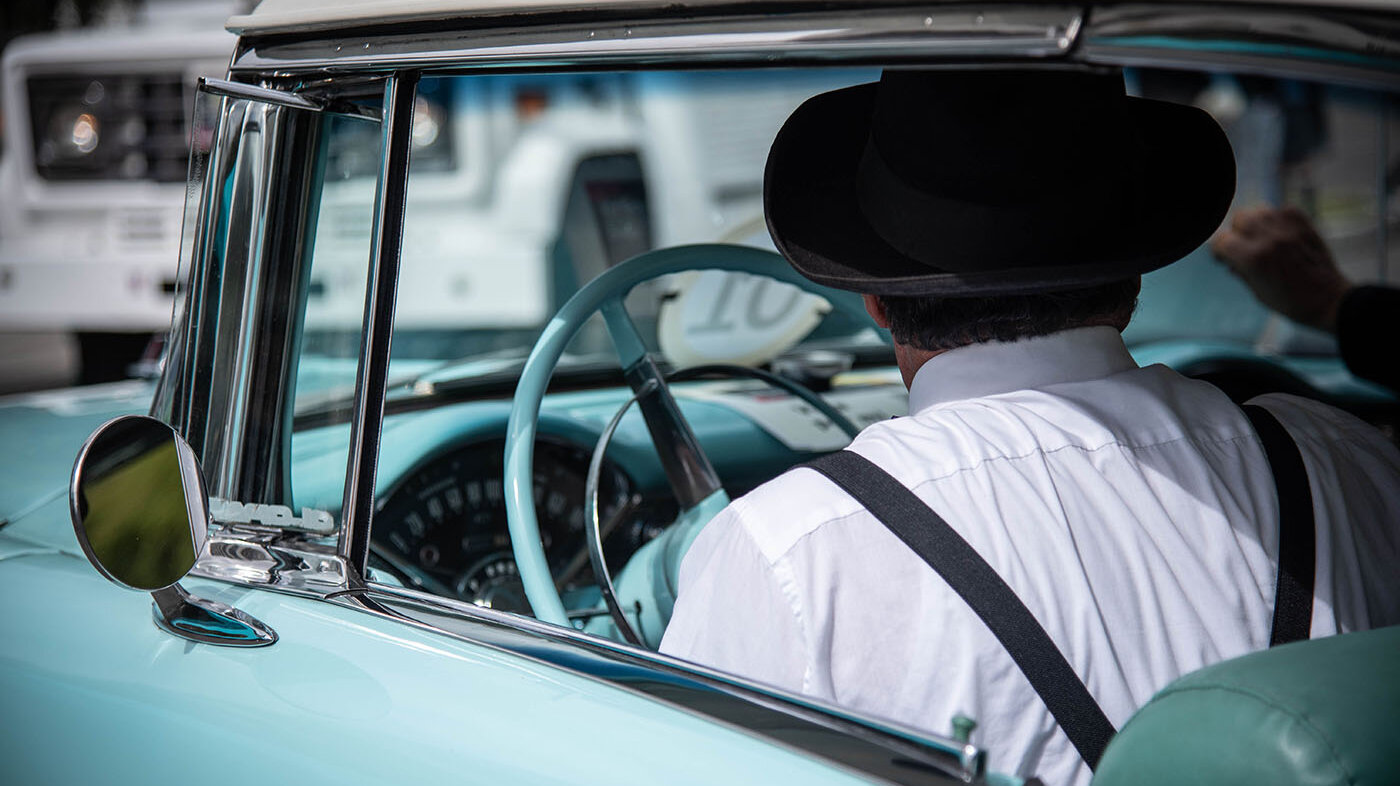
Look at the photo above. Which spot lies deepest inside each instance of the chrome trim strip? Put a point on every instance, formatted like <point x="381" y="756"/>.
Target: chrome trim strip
<point x="244" y="559"/>
<point x="992" y="31"/>
<point x="1340" y="46"/>
<point x="240" y="304"/>
<point x="184" y="392"/>
<point x="221" y="87"/>
<point x="804" y="725"/>
<point x="372" y="375"/>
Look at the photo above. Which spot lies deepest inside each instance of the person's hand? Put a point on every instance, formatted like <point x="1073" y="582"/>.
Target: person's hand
<point x="1280" y="256"/>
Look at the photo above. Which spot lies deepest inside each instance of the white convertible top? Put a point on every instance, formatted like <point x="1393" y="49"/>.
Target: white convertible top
<point x="293" y="16"/>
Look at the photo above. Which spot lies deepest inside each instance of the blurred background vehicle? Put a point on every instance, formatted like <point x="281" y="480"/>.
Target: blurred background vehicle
<point x="98" y="125"/>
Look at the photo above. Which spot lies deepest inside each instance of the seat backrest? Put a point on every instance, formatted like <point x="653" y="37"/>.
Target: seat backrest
<point x="1316" y="712"/>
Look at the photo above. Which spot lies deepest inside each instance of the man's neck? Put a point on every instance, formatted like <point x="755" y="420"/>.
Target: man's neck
<point x="911" y="359"/>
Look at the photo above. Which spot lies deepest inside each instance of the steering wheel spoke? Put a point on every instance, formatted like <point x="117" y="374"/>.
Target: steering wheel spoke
<point x="687" y="468"/>
<point x="631" y="349"/>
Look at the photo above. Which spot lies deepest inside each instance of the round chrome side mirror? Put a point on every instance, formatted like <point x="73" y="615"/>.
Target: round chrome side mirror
<point x="141" y="515"/>
<point x="138" y="502"/>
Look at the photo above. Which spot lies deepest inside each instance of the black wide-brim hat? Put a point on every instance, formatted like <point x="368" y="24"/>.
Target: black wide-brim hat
<point x="990" y="182"/>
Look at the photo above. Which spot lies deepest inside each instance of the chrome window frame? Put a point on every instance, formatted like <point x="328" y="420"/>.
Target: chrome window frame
<point x="1340" y="47"/>
<point x="823" y="729"/>
<point x="372" y="372"/>
<point x="247" y="456"/>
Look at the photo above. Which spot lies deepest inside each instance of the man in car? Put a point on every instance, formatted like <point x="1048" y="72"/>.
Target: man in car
<point x="1098" y="528"/>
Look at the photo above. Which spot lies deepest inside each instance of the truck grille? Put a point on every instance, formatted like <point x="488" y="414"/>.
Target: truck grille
<point x="110" y="126"/>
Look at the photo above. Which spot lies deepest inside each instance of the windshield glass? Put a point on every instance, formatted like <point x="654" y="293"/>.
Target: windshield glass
<point x="524" y="187"/>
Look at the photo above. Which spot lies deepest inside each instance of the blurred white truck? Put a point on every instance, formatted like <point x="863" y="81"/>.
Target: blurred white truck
<point x="92" y="180"/>
<point x="511" y="172"/>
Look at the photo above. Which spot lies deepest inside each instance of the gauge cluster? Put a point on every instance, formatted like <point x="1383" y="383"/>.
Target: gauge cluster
<point x="443" y="527"/>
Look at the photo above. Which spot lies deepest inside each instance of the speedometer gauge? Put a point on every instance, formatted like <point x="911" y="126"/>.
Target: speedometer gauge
<point x="444" y="524"/>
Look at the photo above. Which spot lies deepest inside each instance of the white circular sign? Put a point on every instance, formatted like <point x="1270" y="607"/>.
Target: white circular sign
<point x="717" y="316"/>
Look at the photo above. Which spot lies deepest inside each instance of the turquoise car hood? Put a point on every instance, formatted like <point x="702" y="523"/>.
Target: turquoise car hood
<point x="43" y="432"/>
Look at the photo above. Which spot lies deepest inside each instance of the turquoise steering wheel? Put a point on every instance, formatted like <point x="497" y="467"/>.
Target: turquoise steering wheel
<point x="700" y="498"/>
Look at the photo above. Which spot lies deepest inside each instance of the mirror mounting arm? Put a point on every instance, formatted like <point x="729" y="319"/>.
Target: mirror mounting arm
<point x="209" y="622"/>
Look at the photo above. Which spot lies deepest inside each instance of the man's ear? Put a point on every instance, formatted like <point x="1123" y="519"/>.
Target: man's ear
<point x="876" y="309"/>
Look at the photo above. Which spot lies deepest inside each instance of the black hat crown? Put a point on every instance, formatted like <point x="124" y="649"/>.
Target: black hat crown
<point x="992" y="180"/>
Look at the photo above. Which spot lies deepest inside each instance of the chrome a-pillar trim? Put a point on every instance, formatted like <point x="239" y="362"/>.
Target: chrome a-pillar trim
<point x="985" y="31"/>
<point x="372" y="374"/>
<point x="183" y="396"/>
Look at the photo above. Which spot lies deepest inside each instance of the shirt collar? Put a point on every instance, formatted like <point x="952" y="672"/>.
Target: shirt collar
<point x="996" y="367"/>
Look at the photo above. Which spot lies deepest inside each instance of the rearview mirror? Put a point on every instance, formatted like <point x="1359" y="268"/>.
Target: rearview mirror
<point x="141" y="515"/>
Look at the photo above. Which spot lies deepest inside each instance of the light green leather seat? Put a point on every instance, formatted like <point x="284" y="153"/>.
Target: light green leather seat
<point x="1315" y="712"/>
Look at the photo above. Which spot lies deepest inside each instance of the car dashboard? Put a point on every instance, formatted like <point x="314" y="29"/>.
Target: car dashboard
<point x="440" y="516"/>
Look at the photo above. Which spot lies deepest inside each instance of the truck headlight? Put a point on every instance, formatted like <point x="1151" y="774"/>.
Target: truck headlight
<point x="109" y="126"/>
<point x="75" y="133"/>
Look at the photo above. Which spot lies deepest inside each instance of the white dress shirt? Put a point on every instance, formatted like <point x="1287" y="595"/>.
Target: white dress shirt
<point x="1131" y="509"/>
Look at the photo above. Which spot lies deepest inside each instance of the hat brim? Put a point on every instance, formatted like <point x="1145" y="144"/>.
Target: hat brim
<point x="1184" y="185"/>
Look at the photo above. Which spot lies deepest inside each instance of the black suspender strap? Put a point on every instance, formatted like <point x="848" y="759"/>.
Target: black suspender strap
<point x="1063" y="692"/>
<point x="1297" y="547"/>
<point x="978" y="584"/>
